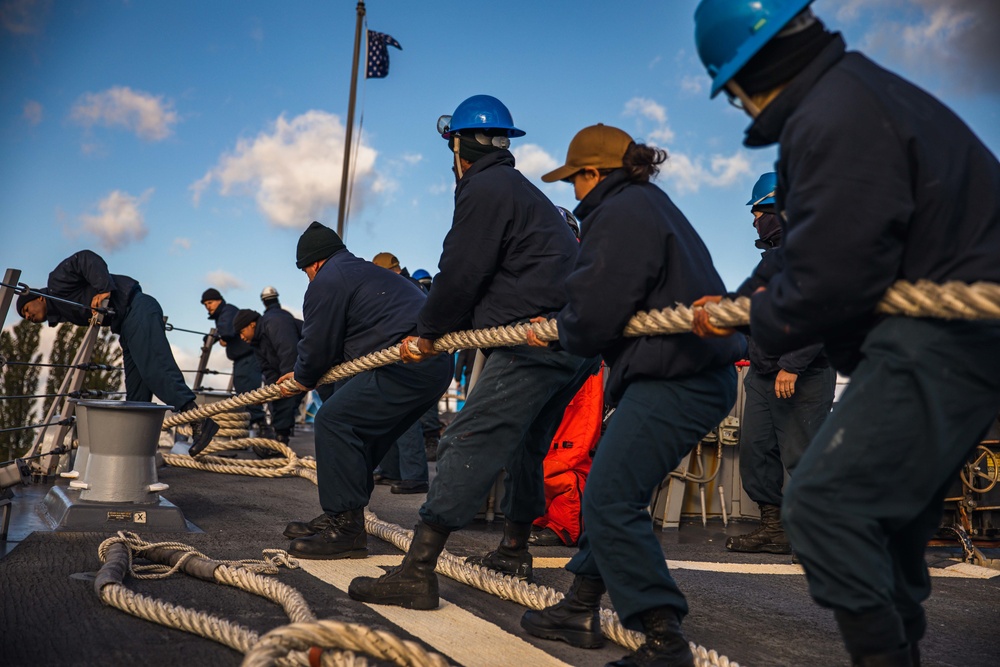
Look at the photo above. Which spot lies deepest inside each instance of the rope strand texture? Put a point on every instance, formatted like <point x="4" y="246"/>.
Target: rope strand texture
<point x="953" y="300"/>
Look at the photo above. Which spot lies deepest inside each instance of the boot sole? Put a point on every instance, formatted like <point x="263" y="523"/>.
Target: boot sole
<point x="763" y="549"/>
<point x="357" y="553"/>
<point x="420" y="604"/>
<point x="577" y="639"/>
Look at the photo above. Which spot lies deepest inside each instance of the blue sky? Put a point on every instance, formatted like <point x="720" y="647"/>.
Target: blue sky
<point x="191" y="142"/>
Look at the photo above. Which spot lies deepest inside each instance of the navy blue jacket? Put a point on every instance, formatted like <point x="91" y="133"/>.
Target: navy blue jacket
<point x="638" y="252"/>
<point x="879" y="182"/>
<point x="506" y="256"/>
<point x="275" y="341"/>
<point x="80" y="277"/>
<point x="351" y="308"/>
<point x="793" y="361"/>
<point x="225" y="327"/>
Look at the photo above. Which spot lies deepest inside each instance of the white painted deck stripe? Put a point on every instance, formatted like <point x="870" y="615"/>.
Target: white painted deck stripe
<point x="958" y="570"/>
<point x="462" y="636"/>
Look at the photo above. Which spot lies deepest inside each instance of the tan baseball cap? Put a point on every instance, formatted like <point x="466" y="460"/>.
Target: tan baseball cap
<point x="386" y="260"/>
<point x="600" y="146"/>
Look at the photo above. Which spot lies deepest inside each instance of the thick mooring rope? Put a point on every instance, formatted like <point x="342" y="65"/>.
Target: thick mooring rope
<point x="953" y="300"/>
<point x="922" y="299"/>
<point x="283" y="646"/>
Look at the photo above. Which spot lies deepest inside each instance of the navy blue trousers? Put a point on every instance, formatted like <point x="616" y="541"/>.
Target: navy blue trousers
<point x="283" y="412"/>
<point x="508" y="422"/>
<point x="656" y="424"/>
<point x="366" y="414"/>
<point x="776" y="431"/>
<point x="868" y="493"/>
<point x="247" y="377"/>
<point x="407" y="458"/>
<point x="150" y="368"/>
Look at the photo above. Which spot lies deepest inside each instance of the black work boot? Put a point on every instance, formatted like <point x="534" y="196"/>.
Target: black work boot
<point x="575" y="619"/>
<point x="431" y="447"/>
<point x="344" y="537"/>
<point x="512" y="556"/>
<point x="665" y="643"/>
<point x="296" y="529"/>
<point x="768" y="538"/>
<point x="413" y="584"/>
<point x="901" y="657"/>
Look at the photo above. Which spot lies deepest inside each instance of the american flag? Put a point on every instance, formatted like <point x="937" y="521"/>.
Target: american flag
<point x="378" y="55"/>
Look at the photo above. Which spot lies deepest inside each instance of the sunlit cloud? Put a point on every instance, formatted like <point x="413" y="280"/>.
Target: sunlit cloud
<point x="32" y="112"/>
<point x="150" y="117"/>
<point x="179" y="245"/>
<point x="292" y="170"/>
<point x="118" y="221"/>
<point x="533" y="161"/>
<point x="684" y="174"/>
<point x="223" y="280"/>
<point x="646" y="108"/>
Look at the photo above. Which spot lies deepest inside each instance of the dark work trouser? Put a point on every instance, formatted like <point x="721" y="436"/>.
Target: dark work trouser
<point x="247" y="377"/>
<point x="357" y="424"/>
<point x="776" y="431"/>
<point x="507" y="423"/>
<point x="283" y="412"/>
<point x="430" y="422"/>
<point x="868" y="493"/>
<point x="150" y="368"/>
<point x="407" y="458"/>
<point x="656" y="424"/>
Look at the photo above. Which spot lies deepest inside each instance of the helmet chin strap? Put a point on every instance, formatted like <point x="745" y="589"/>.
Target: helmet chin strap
<point x="458" y="161"/>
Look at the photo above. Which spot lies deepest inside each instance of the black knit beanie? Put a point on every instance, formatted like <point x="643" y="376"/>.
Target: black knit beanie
<point x="211" y="294"/>
<point x="25" y="299"/>
<point x="470" y="149"/>
<point x="316" y="243"/>
<point x="782" y="58"/>
<point x="244" y="318"/>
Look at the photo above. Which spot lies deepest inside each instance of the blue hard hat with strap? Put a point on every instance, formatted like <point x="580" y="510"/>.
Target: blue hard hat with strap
<point x="479" y="113"/>
<point x="728" y="33"/>
<point x="763" y="190"/>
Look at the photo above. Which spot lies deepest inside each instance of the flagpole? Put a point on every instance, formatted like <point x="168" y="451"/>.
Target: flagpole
<point x="345" y="173"/>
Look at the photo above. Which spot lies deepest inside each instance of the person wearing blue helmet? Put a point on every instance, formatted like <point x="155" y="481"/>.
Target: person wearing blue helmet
<point x="878" y="181"/>
<point x="505" y="259"/>
<point x="788" y="397"/>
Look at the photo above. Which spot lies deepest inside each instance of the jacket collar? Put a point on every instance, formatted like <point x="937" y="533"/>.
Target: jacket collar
<point x="614" y="183"/>
<point x="766" y="128"/>
<point x="501" y="157"/>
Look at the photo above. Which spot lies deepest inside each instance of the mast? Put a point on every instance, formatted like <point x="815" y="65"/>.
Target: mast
<point x="345" y="173"/>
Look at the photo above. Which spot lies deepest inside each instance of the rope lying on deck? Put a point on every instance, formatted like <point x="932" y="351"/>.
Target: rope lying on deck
<point x="953" y="300"/>
<point x="949" y="301"/>
<point x="285" y="645"/>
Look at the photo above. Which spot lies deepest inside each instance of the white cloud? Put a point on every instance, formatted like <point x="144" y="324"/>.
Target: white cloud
<point x="646" y="108"/>
<point x="149" y="117"/>
<point x="688" y="175"/>
<point x="532" y="160"/>
<point x="118" y="221"/>
<point x="293" y="170"/>
<point x="179" y="245"/>
<point x="223" y="280"/>
<point x="694" y="84"/>
<point x="954" y="40"/>
<point x="32" y="112"/>
<point x="661" y="136"/>
<point x="412" y="158"/>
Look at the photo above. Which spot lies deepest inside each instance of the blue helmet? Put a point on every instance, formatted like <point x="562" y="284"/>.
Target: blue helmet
<point x="479" y="112"/>
<point x="763" y="190"/>
<point x="420" y="274"/>
<point x="728" y="33"/>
